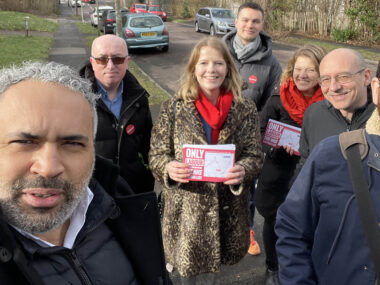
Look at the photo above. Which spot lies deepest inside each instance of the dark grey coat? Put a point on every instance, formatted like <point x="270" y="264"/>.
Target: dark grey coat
<point x="262" y="65"/>
<point x="322" y="120"/>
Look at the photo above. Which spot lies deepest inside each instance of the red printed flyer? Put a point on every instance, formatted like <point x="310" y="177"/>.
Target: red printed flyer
<point x="209" y="162"/>
<point x="278" y="134"/>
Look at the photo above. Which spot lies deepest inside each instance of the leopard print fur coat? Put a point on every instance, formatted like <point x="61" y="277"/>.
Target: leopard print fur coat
<point x="204" y="224"/>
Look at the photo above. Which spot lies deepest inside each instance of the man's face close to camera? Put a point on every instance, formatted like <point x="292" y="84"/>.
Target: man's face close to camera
<point x="46" y="154"/>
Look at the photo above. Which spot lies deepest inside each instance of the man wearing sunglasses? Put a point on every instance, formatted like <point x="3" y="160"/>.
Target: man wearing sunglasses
<point x="125" y="121"/>
<point x="344" y="80"/>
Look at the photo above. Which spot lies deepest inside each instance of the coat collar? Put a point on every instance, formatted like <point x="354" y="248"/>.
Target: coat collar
<point x="233" y="119"/>
<point x="373" y="124"/>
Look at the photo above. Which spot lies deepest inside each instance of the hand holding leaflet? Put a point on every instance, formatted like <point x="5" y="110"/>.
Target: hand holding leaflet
<point x="279" y="134"/>
<point x="209" y="162"/>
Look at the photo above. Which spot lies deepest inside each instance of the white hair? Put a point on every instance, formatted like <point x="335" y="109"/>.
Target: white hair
<point x="54" y="73"/>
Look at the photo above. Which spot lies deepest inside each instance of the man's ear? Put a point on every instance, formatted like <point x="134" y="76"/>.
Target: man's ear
<point x="367" y="76"/>
<point x="92" y="61"/>
<point x="375" y="86"/>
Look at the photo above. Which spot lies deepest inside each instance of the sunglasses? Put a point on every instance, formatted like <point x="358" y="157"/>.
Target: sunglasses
<point x="104" y="60"/>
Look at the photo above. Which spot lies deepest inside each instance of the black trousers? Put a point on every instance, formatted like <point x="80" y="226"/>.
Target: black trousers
<point x="270" y="239"/>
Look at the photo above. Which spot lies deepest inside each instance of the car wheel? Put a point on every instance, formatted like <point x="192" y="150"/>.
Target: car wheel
<point x="165" y="48"/>
<point x="212" y="30"/>
<point x="196" y="27"/>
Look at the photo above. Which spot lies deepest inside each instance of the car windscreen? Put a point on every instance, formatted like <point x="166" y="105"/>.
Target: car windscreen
<point x="222" y="14"/>
<point x="145" y="22"/>
<point x="142" y="6"/>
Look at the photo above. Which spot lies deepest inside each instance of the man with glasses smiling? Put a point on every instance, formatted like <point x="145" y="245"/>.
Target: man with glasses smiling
<point x="321" y="225"/>
<point x="344" y="80"/>
<point x="125" y="121"/>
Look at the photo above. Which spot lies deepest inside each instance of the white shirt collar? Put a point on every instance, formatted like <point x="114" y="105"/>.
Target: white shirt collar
<point x="77" y="221"/>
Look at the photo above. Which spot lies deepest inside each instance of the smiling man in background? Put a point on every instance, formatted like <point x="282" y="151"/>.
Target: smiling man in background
<point x="320" y="227"/>
<point x="344" y="80"/>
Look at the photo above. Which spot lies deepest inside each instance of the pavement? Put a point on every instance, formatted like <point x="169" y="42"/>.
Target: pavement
<point x="69" y="45"/>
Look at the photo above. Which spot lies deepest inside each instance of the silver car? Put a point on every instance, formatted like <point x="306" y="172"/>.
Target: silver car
<point x="216" y="21"/>
<point x="94" y="14"/>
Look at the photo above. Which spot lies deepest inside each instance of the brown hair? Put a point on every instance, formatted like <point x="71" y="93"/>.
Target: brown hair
<point x="315" y="53"/>
<point x="188" y="90"/>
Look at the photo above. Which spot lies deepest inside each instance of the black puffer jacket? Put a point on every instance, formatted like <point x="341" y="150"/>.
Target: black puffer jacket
<point x="134" y="222"/>
<point x="278" y="167"/>
<point x="130" y="151"/>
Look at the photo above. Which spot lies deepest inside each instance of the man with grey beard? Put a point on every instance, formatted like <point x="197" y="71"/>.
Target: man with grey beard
<point x="63" y="219"/>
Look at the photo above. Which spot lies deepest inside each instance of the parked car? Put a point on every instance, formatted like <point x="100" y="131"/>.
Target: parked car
<point x="108" y="20"/>
<point x="145" y="30"/>
<point x="138" y="8"/>
<point x="214" y="20"/>
<point x="79" y="3"/>
<point x="94" y="14"/>
<point x="157" y="10"/>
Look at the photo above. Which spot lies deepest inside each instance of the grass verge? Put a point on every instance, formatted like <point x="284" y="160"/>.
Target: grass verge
<point x="87" y="28"/>
<point x="15" y="21"/>
<point x="16" y="49"/>
<point x="157" y="94"/>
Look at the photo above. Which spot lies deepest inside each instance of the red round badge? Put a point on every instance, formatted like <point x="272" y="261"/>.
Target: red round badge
<point x="130" y="129"/>
<point x="253" y="79"/>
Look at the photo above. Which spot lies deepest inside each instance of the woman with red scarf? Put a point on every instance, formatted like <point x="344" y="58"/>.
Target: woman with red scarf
<point x="298" y="90"/>
<point x="206" y="224"/>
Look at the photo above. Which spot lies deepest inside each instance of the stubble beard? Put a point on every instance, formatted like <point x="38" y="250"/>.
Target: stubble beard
<point x="41" y="220"/>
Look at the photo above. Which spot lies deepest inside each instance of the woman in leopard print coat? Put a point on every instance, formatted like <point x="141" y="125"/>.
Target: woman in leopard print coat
<point x="205" y="224"/>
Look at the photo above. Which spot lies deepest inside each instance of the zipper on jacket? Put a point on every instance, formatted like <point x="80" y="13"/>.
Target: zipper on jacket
<point x="79" y="269"/>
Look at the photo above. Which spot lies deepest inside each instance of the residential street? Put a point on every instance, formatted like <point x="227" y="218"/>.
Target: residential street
<point x="166" y="69"/>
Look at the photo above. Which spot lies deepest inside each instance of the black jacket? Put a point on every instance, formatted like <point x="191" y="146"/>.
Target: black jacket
<point x="322" y="120"/>
<point x="134" y="223"/>
<point x="129" y="150"/>
<point x="278" y="167"/>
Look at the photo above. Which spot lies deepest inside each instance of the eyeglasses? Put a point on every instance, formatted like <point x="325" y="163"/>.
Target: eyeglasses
<point x="115" y="60"/>
<point x="340" y="78"/>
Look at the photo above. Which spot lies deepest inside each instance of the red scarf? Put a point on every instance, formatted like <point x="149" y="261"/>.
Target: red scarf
<point x="295" y="102"/>
<point x="214" y="115"/>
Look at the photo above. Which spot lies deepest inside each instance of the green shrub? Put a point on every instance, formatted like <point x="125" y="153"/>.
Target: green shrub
<point x="342" y="35"/>
<point x="185" y="12"/>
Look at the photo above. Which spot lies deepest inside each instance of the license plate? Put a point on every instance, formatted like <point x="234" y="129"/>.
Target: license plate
<point x="148" y="34"/>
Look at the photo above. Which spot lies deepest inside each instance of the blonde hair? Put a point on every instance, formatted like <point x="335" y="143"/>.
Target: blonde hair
<point x="315" y="53"/>
<point x="188" y="90"/>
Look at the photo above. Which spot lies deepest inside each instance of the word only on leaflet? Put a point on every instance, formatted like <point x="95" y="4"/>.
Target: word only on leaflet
<point x="209" y="162"/>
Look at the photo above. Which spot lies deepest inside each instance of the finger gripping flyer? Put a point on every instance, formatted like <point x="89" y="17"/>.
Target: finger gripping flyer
<point x="209" y="162"/>
<point x="278" y="134"/>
